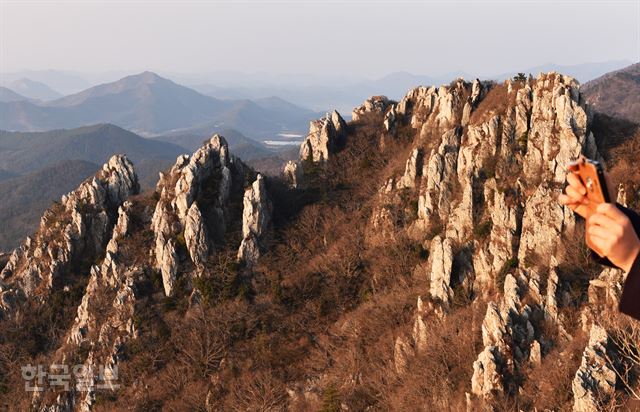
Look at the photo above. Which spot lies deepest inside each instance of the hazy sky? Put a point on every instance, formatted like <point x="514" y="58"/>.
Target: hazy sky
<point x="370" y="38"/>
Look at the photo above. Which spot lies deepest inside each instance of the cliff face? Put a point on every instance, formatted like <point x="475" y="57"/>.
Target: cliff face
<point x="414" y="256"/>
<point x="207" y="176"/>
<point x="256" y="216"/>
<point x="486" y="175"/>
<point x="324" y="138"/>
<point x="74" y="231"/>
<point x="486" y="165"/>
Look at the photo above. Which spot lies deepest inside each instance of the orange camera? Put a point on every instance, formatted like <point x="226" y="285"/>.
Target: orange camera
<point x="592" y="175"/>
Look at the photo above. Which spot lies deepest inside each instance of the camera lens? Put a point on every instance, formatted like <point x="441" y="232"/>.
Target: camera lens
<point x="589" y="184"/>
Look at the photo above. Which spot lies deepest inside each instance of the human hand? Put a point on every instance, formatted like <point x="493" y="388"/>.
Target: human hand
<point x="611" y="235"/>
<point x="575" y="193"/>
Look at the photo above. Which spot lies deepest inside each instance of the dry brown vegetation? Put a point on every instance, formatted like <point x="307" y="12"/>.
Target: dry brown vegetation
<point x="548" y="385"/>
<point x="441" y="374"/>
<point x="619" y="141"/>
<point x="320" y="313"/>
<point x="495" y="102"/>
<point x="278" y="326"/>
<point x="614" y="93"/>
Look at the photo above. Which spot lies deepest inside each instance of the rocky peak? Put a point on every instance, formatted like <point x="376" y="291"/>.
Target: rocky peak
<point x="486" y="179"/>
<point x="436" y="108"/>
<point x="105" y="317"/>
<point x="325" y="136"/>
<point x="191" y="171"/>
<point x="192" y="211"/>
<point x="477" y="89"/>
<point x="120" y="179"/>
<point x="441" y="266"/>
<point x="378" y="104"/>
<point x="256" y="217"/>
<point x="74" y="231"/>
<point x="412" y="171"/>
<point x="558" y="127"/>
<point x="293" y="173"/>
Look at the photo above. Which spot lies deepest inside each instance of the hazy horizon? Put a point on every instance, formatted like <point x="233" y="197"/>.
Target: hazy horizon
<point x="299" y="75"/>
<point x="312" y="38"/>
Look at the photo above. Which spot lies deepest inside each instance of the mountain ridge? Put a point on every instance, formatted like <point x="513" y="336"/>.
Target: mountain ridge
<point x="7" y="95"/>
<point x="614" y="93"/>
<point x="149" y="104"/>
<point x="33" y="89"/>
<point x="22" y="152"/>
<point x="413" y="256"/>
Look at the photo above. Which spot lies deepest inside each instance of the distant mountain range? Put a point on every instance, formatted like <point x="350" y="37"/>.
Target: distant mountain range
<point x="582" y="72"/>
<point x="317" y="92"/>
<point x="616" y="94"/>
<point x="192" y="138"/>
<point x="344" y="95"/>
<point x="38" y="167"/>
<point x="25" y="152"/>
<point x="149" y="104"/>
<point x="340" y="96"/>
<point x="615" y="100"/>
<point x="64" y="82"/>
<point x="7" y="95"/>
<point x="33" y="89"/>
<point x="4" y="175"/>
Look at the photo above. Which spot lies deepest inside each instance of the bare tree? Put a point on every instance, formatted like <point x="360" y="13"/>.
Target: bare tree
<point x="202" y="343"/>
<point x="259" y="392"/>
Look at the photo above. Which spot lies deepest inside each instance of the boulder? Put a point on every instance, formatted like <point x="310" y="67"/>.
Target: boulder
<point x="543" y="224"/>
<point x="412" y="172"/>
<point x="256" y="217"/>
<point x="487" y="378"/>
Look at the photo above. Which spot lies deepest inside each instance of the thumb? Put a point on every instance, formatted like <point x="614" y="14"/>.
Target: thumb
<point x="611" y="210"/>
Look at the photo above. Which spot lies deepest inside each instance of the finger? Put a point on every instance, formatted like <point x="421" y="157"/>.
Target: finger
<point x="612" y="211"/>
<point x="595" y="231"/>
<point x="592" y="241"/>
<point x="577" y="207"/>
<point x="583" y="211"/>
<point x="575" y="182"/>
<point x="599" y="219"/>
<point x="575" y="196"/>
<point x="596" y="244"/>
<point x="567" y="201"/>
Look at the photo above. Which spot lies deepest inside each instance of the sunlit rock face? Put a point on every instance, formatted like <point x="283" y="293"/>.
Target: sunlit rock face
<point x="256" y="217"/>
<point x="485" y="168"/>
<point x="192" y="210"/>
<point x="76" y="229"/>
<point x="325" y="136"/>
